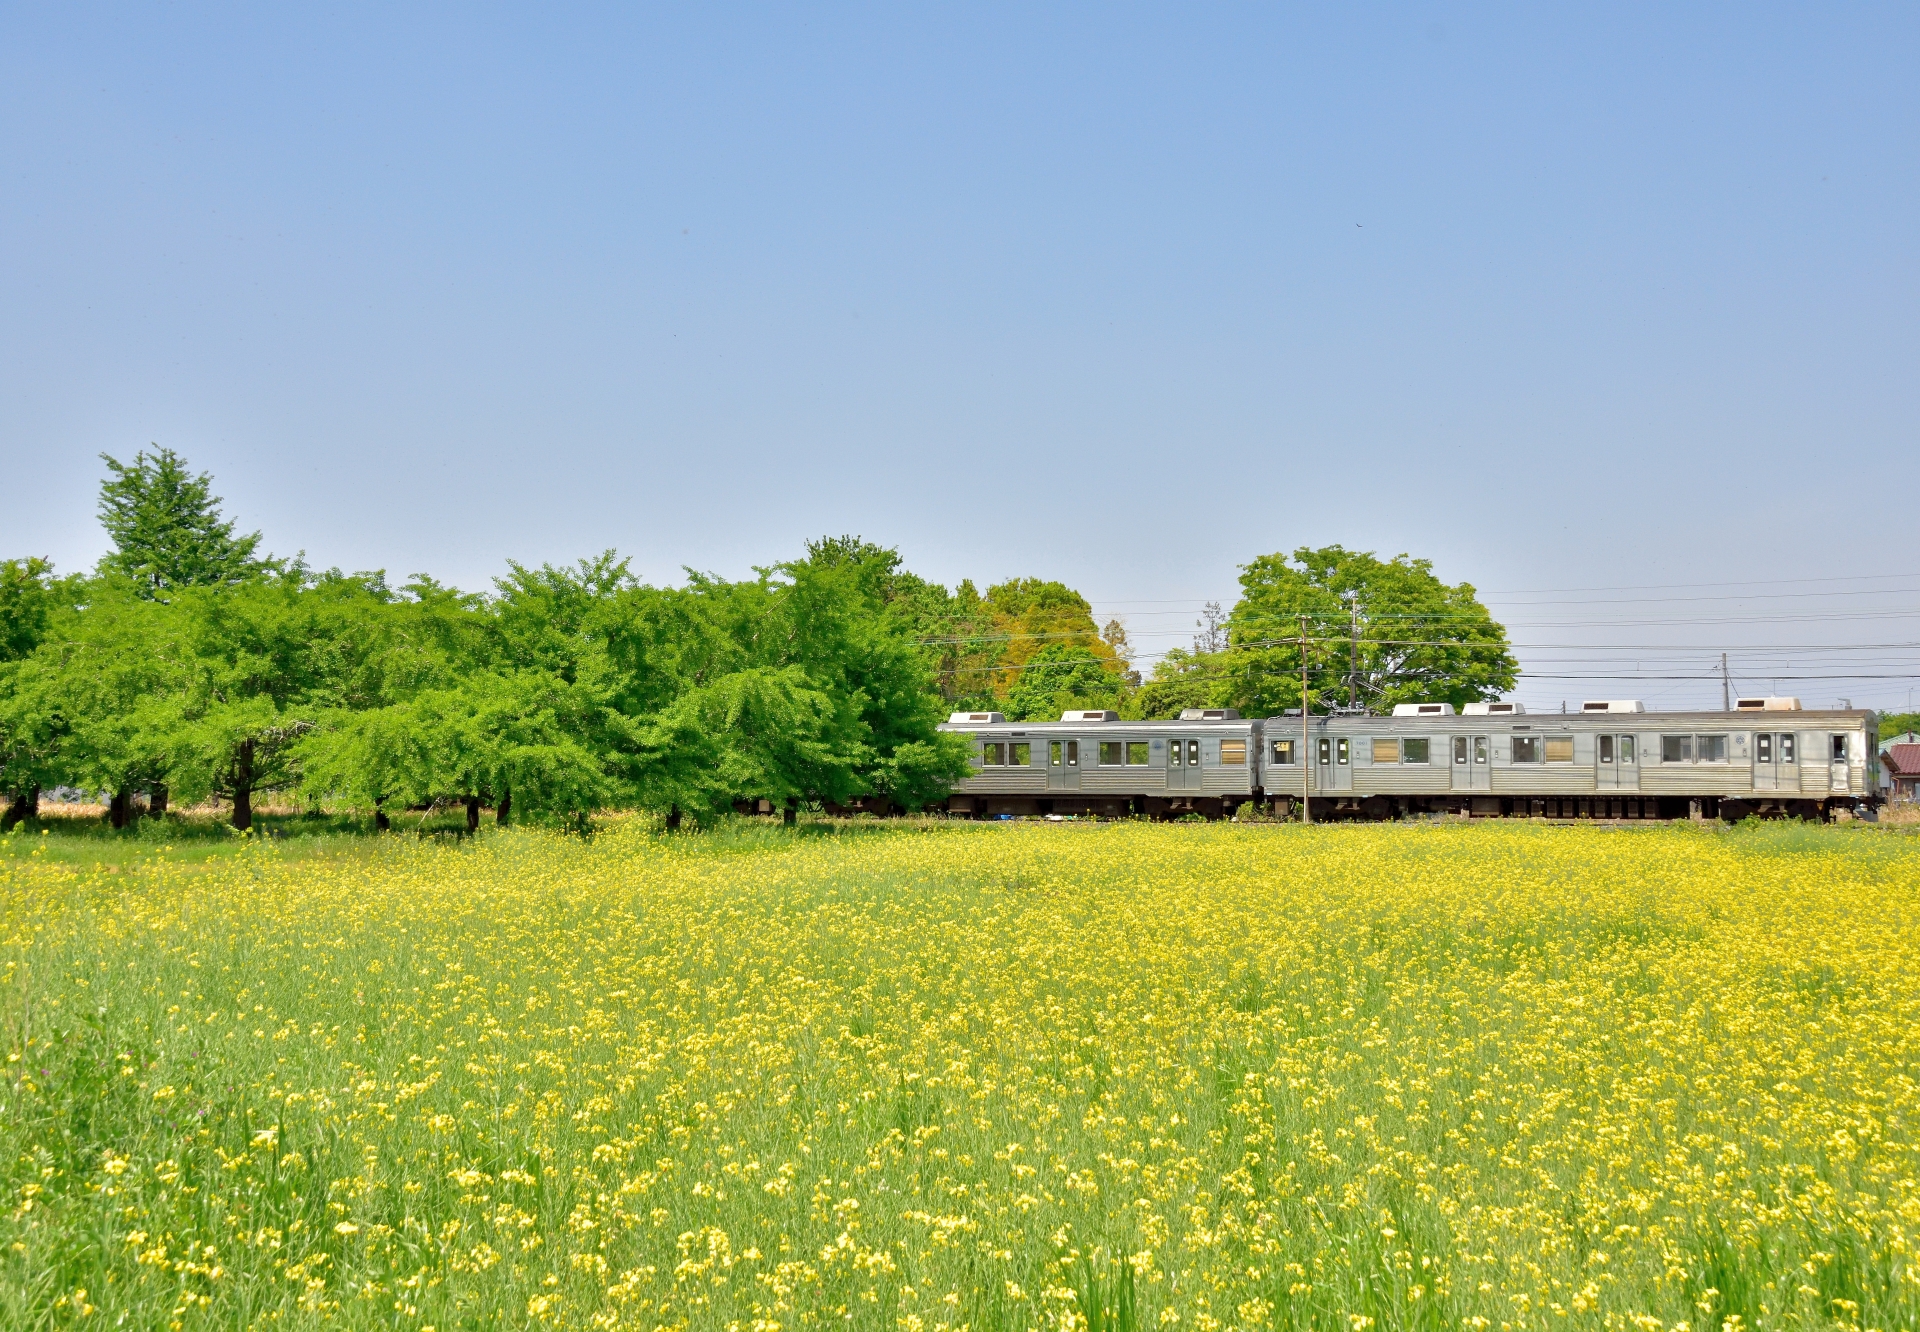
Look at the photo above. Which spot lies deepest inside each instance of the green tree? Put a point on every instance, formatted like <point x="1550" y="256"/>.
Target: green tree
<point x="1384" y="631"/>
<point x="1182" y="680"/>
<point x="166" y="527"/>
<point x="29" y="596"/>
<point x="1064" y="677"/>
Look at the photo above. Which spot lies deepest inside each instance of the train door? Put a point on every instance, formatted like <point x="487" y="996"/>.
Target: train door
<point x="1063" y="765"/>
<point x="1472" y="766"/>
<point x="1183" y="764"/>
<point x="1616" y="762"/>
<point x="1773" y="763"/>
<point x="1334" y="761"/>
<point x="1838" y="770"/>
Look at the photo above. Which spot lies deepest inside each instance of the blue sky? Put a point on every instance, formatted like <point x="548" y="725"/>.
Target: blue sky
<point x="1559" y="297"/>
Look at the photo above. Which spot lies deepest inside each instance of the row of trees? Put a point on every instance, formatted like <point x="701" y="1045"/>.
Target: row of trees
<point x="190" y="666"/>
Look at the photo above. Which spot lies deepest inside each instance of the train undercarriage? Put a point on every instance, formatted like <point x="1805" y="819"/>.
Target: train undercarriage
<point x="1381" y="808"/>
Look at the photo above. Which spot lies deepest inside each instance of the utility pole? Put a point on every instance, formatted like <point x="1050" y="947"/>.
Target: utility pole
<point x="1306" y="732"/>
<point x="1726" y="686"/>
<point x="1353" y="653"/>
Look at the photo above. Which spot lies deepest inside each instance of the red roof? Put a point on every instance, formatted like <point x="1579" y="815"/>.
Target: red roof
<point x="1904" y="760"/>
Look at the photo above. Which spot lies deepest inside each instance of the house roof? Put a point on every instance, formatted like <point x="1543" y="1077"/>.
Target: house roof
<point x="1904" y="760"/>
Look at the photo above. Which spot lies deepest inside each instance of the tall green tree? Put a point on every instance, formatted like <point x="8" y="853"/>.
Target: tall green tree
<point x="166" y="527"/>
<point x="1383" y="632"/>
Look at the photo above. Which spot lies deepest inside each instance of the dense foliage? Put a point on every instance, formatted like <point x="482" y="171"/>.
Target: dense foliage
<point x="191" y="666"/>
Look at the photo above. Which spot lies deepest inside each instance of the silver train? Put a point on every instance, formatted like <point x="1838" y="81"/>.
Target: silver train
<point x="1610" y="760"/>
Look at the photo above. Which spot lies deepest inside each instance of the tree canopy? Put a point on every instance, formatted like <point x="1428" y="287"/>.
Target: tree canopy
<point x="166" y="527"/>
<point x="188" y="667"/>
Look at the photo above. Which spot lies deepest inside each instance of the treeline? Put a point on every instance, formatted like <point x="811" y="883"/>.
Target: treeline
<point x="189" y="666"/>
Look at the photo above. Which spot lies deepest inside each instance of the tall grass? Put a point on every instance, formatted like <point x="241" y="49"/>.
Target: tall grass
<point x="1109" y="1077"/>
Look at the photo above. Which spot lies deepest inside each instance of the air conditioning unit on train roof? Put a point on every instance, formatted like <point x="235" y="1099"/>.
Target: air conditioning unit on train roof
<point x="1094" y="716"/>
<point x="1210" y="714"/>
<point x="1494" y="709"/>
<point x="976" y="718"/>
<point x="1613" y="705"/>
<point x="1767" y="705"/>
<point x="1423" y="709"/>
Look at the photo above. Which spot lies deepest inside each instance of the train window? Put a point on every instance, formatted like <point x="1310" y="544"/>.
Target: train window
<point x="1053" y="753"/>
<point x="1710" y="748"/>
<point x="1559" y="749"/>
<point x="992" y="754"/>
<point x="1526" y="749"/>
<point x="1136" y="752"/>
<point x="1606" y="749"/>
<point x="1676" y="749"/>
<point x="1459" y="749"/>
<point x="1626" y="749"/>
<point x="1283" y="751"/>
<point x="1073" y="753"/>
<point x="1413" y="751"/>
<point x="1386" y="751"/>
<point x="1786" y="749"/>
<point x="1111" y="755"/>
<point x="1342" y="749"/>
<point x="1020" y="753"/>
<point x="1193" y="753"/>
<point x="1479" y="749"/>
<point x="1839" y="749"/>
<point x="1173" y="753"/>
<point x="1233" y="753"/>
<point x="1763" y="748"/>
<point x="1326" y="752"/>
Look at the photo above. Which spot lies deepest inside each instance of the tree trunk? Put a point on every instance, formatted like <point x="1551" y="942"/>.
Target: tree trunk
<point x="243" y="785"/>
<point x="156" y="802"/>
<point x="120" y="808"/>
<point x="673" y="819"/>
<point x="473" y="813"/>
<point x="381" y="823"/>
<point x="791" y="812"/>
<point x="504" y="808"/>
<point x="24" y="805"/>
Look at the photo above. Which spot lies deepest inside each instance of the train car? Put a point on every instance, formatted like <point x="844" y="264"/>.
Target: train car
<point x="1612" y="760"/>
<point x="1207" y="763"/>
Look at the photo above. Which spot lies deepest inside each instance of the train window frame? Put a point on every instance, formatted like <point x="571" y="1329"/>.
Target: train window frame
<point x="1341" y="752"/>
<point x="1479" y="749"/>
<point x="1460" y="751"/>
<point x="1019" y="753"/>
<point x="1193" y="753"/>
<point x="993" y="754"/>
<point x="1326" y="752"/>
<point x="1709" y="749"/>
<point x="1422" y="747"/>
<point x="1763" y="748"/>
<point x="1627" y="748"/>
<point x="1556" y="749"/>
<point x="1174" y="754"/>
<point x="1786" y="747"/>
<point x="1138" y="753"/>
<point x="1386" y="750"/>
<point x="1233" y="753"/>
<point x="1283" y="753"/>
<point x="1840" y="749"/>
<point x="1113" y="753"/>
<point x="1526" y="749"/>
<point x="1606" y="749"/>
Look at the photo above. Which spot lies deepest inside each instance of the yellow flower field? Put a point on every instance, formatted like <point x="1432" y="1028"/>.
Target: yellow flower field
<point x="1118" y="1076"/>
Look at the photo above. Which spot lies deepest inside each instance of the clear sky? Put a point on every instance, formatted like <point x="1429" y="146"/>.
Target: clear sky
<point x="1559" y="297"/>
